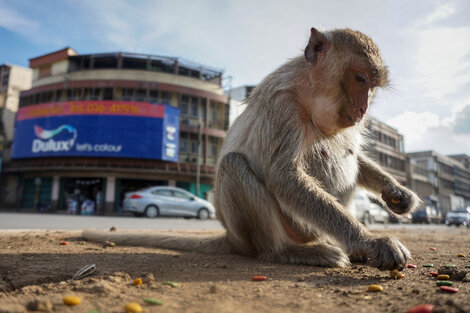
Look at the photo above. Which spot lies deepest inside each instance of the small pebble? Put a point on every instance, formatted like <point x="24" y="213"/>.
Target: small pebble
<point x="113" y="228"/>
<point x="428" y="265"/>
<point x="42" y="305"/>
<point x="395" y="274"/>
<point x="461" y="255"/>
<point x="449" y="265"/>
<point x="170" y="283"/>
<point x="109" y="244"/>
<point x="432" y="249"/>
<point x="153" y="301"/>
<point x="449" y="289"/>
<point x="258" y="278"/>
<point x="433" y="273"/>
<point x="375" y="288"/>
<point x="443" y="277"/>
<point x="63" y="243"/>
<point x="411" y="266"/>
<point x="444" y="283"/>
<point x="133" y="307"/>
<point x="72" y="300"/>
<point x="422" y="308"/>
<point x="213" y="289"/>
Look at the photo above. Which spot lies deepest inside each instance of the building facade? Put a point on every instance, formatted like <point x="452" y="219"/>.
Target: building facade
<point x="13" y="79"/>
<point x="387" y="148"/>
<point x="96" y="126"/>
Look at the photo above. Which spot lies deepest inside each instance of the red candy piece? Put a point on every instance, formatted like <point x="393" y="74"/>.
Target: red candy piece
<point x="433" y="273"/>
<point x="432" y="249"/>
<point x="449" y="289"/>
<point x="258" y="278"/>
<point x="411" y="266"/>
<point x="422" y="308"/>
<point x="64" y="243"/>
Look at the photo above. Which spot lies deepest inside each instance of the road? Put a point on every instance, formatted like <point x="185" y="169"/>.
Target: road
<point x="30" y="221"/>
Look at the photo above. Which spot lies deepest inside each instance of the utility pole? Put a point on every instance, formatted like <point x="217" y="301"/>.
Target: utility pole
<point x="198" y="162"/>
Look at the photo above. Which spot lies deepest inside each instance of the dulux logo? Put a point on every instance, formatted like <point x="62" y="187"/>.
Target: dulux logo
<point x="47" y="144"/>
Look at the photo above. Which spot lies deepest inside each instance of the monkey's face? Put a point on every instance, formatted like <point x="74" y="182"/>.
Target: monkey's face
<point x="358" y="89"/>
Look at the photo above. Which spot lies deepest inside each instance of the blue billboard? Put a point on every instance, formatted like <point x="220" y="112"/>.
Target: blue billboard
<point x="97" y="129"/>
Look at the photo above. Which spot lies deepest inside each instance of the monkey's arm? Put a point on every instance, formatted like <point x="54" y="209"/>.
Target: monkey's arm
<point x="397" y="197"/>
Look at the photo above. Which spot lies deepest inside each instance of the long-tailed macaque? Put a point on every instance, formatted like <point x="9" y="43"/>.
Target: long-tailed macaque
<point x="292" y="161"/>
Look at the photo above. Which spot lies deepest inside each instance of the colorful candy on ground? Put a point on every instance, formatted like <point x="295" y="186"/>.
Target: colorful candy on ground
<point x="432" y="249"/>
<point x="442" y="277"/>
<point x="133" y="307"/>
<point x="170" y="283"/>
<point x="258" y="278"/>
<point x="375" y="288"/>
<point x="467" y="266"/>
<point x="422" y="308"/>
<point x="461" y="255"/>
<point x="433" y="273"/>
<point x="449" y="289"/>
<point x="138" y="281"/>
<point x="153" y="301"/>
<point x="449" y="265"/>
<point x="411" y="266"/>
<point x="395" y="274"/>
<point x="444" y="283"/>
<point x="72" y="300"/>
<point x="63" y="243"/>
<point x="428" y="265"/>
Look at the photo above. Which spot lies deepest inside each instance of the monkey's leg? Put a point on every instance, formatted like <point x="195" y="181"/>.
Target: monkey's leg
<point x="254" y="225"/>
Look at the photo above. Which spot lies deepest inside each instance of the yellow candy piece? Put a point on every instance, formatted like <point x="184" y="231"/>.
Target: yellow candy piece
<point x="395" y="201"/>
<point x="72" y="300"/>
<point x="133" y="307"/>
<point x="395" y="274"/>
<point x="461" y="255"/>
<point x="375" y="288"/>
<point x="442" y="277"/>
<point x="138" y="281"/>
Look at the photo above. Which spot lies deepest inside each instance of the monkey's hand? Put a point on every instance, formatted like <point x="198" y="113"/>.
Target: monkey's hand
<point x="400" y="199"/>
<point x="387" y="254"/>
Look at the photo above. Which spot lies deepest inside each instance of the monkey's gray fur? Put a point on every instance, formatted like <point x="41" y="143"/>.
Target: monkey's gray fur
<point x="292" y="161"/>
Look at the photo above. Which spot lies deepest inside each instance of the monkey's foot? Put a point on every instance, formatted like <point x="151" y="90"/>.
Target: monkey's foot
<point x="387" y="254"/>
<point x="319" y="254"/>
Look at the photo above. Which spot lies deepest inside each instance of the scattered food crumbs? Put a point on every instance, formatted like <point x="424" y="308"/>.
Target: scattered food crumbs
<point x="428" y="265"/>
<point x="444" y="283"/>
<point x="449" y="289"/>
<point x="153" y="301"/>
<point x="422" y="308"/>
<point x="258" y="278"/>
<point x="133" y="307"/>
<point x="449" y="265"/>
<point x="109" y="244"/>
<point x="138" y="281"/>
<point x="64" y="243"/>
<point x="113" y="228"/>
<point x="461" y="255"/>
<point x="375" y="288"/>
<point x="434" y="273"/>
<point x="432" y="249"/>
<point x="443" y="277"/>
<point x="170" y="283"/>
<point x="396" y="274"/>
<point x="72" y="300"/>
<point x="411" y="266"/>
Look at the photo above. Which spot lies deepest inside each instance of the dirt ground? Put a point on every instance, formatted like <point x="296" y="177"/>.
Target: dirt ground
<point x="35" y="267"/>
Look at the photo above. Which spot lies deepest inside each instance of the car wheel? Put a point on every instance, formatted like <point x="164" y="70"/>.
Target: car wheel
<point x="203" y="214"/>
<point x="151" y="211"/>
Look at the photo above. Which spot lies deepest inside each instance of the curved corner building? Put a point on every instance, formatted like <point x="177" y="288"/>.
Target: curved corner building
<point x="96" y="126"/>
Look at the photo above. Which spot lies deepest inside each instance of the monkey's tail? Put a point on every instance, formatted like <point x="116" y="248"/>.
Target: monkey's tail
<point x="211" y="244"/>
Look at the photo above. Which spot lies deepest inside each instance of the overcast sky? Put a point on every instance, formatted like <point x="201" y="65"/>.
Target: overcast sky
<point x="426" y="45"/>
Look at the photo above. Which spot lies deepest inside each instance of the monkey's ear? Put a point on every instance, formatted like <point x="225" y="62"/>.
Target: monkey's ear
<point x="316" y="45"/>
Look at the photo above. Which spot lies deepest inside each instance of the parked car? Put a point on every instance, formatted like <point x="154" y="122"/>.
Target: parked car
<point x="458" y="217"/>
<point x="367" y="211"/>
<point x="427" y="215"/>
<point x="167" y="201"/>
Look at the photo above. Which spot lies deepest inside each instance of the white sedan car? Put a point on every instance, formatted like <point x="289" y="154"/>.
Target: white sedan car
<point x="167" y="201"/>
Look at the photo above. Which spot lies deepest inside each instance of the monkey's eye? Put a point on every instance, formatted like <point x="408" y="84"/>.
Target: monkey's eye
<point x="361" y="78"/>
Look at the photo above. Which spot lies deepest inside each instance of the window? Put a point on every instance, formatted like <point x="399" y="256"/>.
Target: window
<point x="193" y="147"/>
<point x="194" y="107"/>
<point x="127" y="94"/>
<point x="181" y="195"/>
<point x="105" y="62"/>
<point x="96" y="94"/>
<point x="184" y="105"/>
<point x="165" y="97"/>
<point x="163" y="192"/>
<point x="213" y="111"/>
<point x="108" y="94"/>
<point x="153" y="96"/>
<point x="134" y="63"/>
<point x="183" y="146"/>
<point x="141" y="94"/>
<point x="5" y="79"/>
